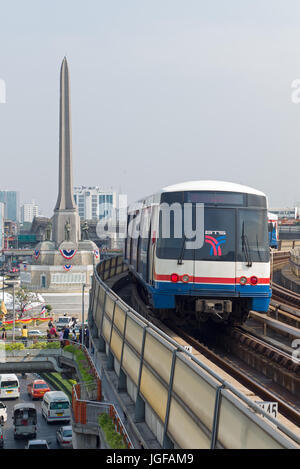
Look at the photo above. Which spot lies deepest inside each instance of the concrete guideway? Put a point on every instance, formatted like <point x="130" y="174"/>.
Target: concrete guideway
<point x="142" y="366"/>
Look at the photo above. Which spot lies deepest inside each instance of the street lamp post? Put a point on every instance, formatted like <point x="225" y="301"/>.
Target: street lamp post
<point x="82" y="314"/>
<point x="14" y="313"/>
<point x="13" y="283"/>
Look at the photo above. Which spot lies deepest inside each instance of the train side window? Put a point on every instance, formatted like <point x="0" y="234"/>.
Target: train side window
<point x="127" y="243"/>
<point x="138" y="256"/>
<point x="144" y="242"/>
<point x="134" y="239"/>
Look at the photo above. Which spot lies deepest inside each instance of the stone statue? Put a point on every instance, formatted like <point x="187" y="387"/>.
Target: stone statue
<point x="67" y="230"/>
<point x="85" y="230"/>
<point x="48" y="231"/>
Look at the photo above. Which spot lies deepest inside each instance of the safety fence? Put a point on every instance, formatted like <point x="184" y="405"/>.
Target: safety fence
<point x="184" y="402"/>
<point x="87" y="411"/>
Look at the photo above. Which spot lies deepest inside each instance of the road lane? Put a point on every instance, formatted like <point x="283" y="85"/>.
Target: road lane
<point x="45" y="431"/>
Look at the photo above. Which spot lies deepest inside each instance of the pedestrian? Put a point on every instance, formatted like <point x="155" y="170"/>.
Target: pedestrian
<point x="25" y="335"/>
<point x="53" y="332"/>
<point x="3" y="335"/>
<point x="66" y="335"/>
<point x="80" y="335"/>
<point x="48" y="336"/>
<point x="66" y="332"/>
<point x="73" y="335"/>
<point x="50" y="324"/>
<point x="87" y="338"/>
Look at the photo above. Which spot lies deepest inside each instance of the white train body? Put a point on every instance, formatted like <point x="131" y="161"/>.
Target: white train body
<point x="223" y="271"/>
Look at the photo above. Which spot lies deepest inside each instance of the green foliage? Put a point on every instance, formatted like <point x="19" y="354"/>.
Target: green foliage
<point x="14" y="346"/>
<point x="113" y="438"/>
<point x="48" y="308"/>
<point x="45" y="345"/>
<point x="82" y="363"/>
<point x="59" y="383"/>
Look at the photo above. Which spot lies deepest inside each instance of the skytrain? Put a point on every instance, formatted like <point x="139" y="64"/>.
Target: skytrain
<point x="200" y="250"/>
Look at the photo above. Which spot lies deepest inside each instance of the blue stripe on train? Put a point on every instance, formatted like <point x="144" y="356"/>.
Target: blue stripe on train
<point x="163" y="293"/>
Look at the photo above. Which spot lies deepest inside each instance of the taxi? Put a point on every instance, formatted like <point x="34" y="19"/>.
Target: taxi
<point x="37" y="389"/>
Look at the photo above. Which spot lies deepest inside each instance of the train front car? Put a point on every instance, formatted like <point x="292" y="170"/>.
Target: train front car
<point x="207" y="253"/>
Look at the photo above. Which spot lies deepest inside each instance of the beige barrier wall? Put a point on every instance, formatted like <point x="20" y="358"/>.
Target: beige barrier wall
<point x="192" y="404"/>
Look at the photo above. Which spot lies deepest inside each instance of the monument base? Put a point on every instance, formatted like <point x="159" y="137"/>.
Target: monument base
<point x="60" y="270"/>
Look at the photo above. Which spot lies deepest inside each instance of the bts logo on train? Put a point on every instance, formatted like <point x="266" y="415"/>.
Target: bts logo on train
<point x="215" y="239"/>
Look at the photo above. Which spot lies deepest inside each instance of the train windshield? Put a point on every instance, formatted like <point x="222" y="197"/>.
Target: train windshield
<point x="218" y="236"/>
<point x="229" y="233"/>
<point x="253" y="243"/>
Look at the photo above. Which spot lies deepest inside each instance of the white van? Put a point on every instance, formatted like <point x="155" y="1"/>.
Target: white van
<point x="9" y="387"/>
<point x="56" y="406"/>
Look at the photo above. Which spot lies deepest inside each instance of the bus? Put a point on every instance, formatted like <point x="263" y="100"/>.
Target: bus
<point x="9" y="386"/>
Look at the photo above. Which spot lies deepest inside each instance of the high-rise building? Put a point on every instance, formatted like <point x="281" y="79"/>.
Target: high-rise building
<point x="11" y="199"/>
<point x="2" y="209"/>
<point x="94" y="203"/>
<point x="28" y="212"/>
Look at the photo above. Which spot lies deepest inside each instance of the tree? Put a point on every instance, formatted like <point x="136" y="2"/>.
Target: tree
<point x="24" y="298"/>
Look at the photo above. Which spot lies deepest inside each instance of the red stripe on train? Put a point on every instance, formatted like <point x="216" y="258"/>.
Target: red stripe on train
<point x="233" y="280"/>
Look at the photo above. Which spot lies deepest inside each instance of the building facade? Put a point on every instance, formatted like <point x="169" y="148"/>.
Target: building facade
<point x="11" y="200"/>
<point x="286" y="212"/>
<point x="28" y="212"/>
<point x="94" y="203"/>
<point x="2" y="211"/>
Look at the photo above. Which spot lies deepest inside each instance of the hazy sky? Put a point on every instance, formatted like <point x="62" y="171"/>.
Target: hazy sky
<point x="162" y="91"/>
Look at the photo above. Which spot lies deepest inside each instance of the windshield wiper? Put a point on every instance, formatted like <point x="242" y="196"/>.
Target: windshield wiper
<point x="245" y="247"/>
<point x="179" y="261"/>
<point x="258" y="251"/>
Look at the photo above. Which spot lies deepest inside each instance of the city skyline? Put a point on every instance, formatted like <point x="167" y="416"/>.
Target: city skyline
<point x="152" y="86"/>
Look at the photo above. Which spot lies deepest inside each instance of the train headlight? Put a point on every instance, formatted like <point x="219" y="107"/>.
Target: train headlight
<point x="243" y="280"/>
<point x="253" y="280"/>
<point x="174" y="278"/>
<point x="185" y="278"/>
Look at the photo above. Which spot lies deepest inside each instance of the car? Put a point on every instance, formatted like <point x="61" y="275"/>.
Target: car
<point x="64" y="436"/>
<point x="36" y="332"/>
<point x="37" y="444"/>
<point x="3" y="413"/>
<point x="63" y="321"/>
<point x="1" y="438"/>
<point x="37" y="389"/>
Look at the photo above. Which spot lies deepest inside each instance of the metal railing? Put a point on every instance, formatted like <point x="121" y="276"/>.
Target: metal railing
<point x="239" y="400"/>
<point x="87" y="411"/>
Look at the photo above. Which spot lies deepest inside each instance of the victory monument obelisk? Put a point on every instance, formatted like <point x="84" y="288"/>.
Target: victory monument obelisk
<point x="65" y="212"/>
<point x="62" y="262"/>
